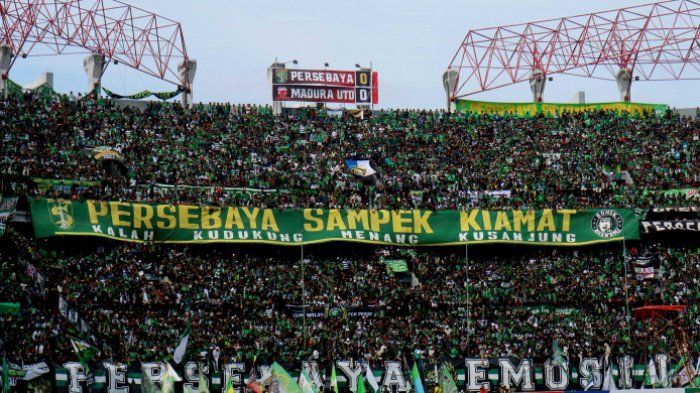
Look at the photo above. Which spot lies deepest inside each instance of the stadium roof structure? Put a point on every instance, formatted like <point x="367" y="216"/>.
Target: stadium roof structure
<point x="657" y="41"/>
<point x="129" y="35"/>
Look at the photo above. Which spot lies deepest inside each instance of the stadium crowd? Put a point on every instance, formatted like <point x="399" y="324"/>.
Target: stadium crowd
<point x="132" y="301"/>
<point x="137" y="298"/>
<point x="423" y="158"/>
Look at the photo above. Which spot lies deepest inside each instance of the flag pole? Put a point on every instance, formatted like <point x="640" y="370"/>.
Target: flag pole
<point x="303" y="297"/>
<point x="466" y="257"/>
<point x="627" y="298"/>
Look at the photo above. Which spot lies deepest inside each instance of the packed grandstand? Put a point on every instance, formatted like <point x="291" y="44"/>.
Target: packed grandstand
<point x="154" y="246"/>
<point x="371" y="303"/>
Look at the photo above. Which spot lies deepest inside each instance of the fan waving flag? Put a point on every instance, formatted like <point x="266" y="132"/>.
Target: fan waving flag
<point x="203" y="385"/>
<point x="334" y="380"/>
<point x="306" y="384"/>
<point x="371" y="379"/>
<point x="181" y="346"/>
<point x="169" y="379"/>
<point x="447" y="383"/>
<point x="286" y="382"/>
<point x="360" y="167"/>
<point x="85" y="351"/>
<point x="415" y="379"/>
<point x="361" y="384"/>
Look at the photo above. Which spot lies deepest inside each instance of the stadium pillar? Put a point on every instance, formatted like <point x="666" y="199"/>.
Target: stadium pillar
<point x="94" y="66"/>
<point x="5" y="61"/>
<point x="624" y="83"/>
<point x="46" y="79"/>
<point x="276" y="105"/>
<point x="538" y="78"/>
<point x="449" y="82"/>
<point x="186" y="71"/>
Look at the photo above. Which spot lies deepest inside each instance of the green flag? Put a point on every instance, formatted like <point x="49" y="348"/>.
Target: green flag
<point x="334" y="380"/>
<point x="85" y="351"/>
<point x="305" y="383"/>
<point x="9" y="308"/>
<point x="169" y="379"/>
<point x="147" y="384"/>
<point x="229" y="386"/>
<point x="447" y="384"/>
<point x="416" y="380"/>
<point x="5" y="375"/>
<point x="286" y="382"/>
<point x="361" y="384"/>
<point x="396" y="265"/>
<point x="203" y="387"/>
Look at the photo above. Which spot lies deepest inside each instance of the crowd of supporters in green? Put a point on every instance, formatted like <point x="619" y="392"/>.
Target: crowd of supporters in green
<point x="426" y="159"/>
<point x="133" y="300"/>
<point x="245" y="303"/>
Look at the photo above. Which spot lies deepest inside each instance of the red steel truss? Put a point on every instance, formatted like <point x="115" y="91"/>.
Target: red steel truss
<point x="659" y="41"/>
<point x="132" y="36"/>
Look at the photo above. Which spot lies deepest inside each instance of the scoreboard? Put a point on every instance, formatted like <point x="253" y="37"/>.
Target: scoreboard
<point x="346" y="87"/>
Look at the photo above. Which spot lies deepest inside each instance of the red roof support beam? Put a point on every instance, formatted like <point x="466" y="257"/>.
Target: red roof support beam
<point x="657" y="41"/>
<point x="140" y="39"/>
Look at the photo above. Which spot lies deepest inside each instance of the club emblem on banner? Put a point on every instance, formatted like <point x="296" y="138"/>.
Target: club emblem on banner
<point x="607" y="223"/>
<point x="281" y="76"/>
<point x="61" y="211"/>
<point x="359" y="171"/>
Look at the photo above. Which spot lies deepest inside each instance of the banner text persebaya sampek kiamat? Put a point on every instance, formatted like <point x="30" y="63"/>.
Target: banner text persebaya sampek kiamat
<point x="192" y="224"/>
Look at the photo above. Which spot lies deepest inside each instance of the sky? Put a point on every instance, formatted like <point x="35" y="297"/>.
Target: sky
<point x="408" y="42"/>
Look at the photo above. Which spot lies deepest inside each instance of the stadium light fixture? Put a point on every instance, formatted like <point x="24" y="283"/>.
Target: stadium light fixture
<point x="295" y="62"/>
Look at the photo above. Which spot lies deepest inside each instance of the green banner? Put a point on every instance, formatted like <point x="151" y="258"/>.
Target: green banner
<point x="686" y="193"/>
<point x="549" y="310"/>
<point x="9" y="308"/>
<point x="140" y="222"/>
<point x="144" y="94"/>
<point x="396" y="266"/>
<point x="528" y="109"/>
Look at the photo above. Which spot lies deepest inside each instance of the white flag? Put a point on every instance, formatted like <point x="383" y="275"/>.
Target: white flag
<point x="34" y="370"/>
<point x="652" y="376"/>
<point x="305" y="383"/>
<point x="360" y="168"/>
<point x="181" y="346"/>
<point x="608" y="382"/>
<point x="371" y="379"/>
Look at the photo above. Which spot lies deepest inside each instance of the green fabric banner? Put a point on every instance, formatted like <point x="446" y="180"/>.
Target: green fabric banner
<point x="686" y="193"/>
<point x="9" y="308"/>
<point x="144" y="94"/>
<point x="204" y="224"/>
<point x="529" y="109"/>
<point x="396" y="265"/>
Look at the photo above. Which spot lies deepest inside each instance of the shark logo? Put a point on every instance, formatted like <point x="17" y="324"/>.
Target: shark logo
<point x="61" y="212"/>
